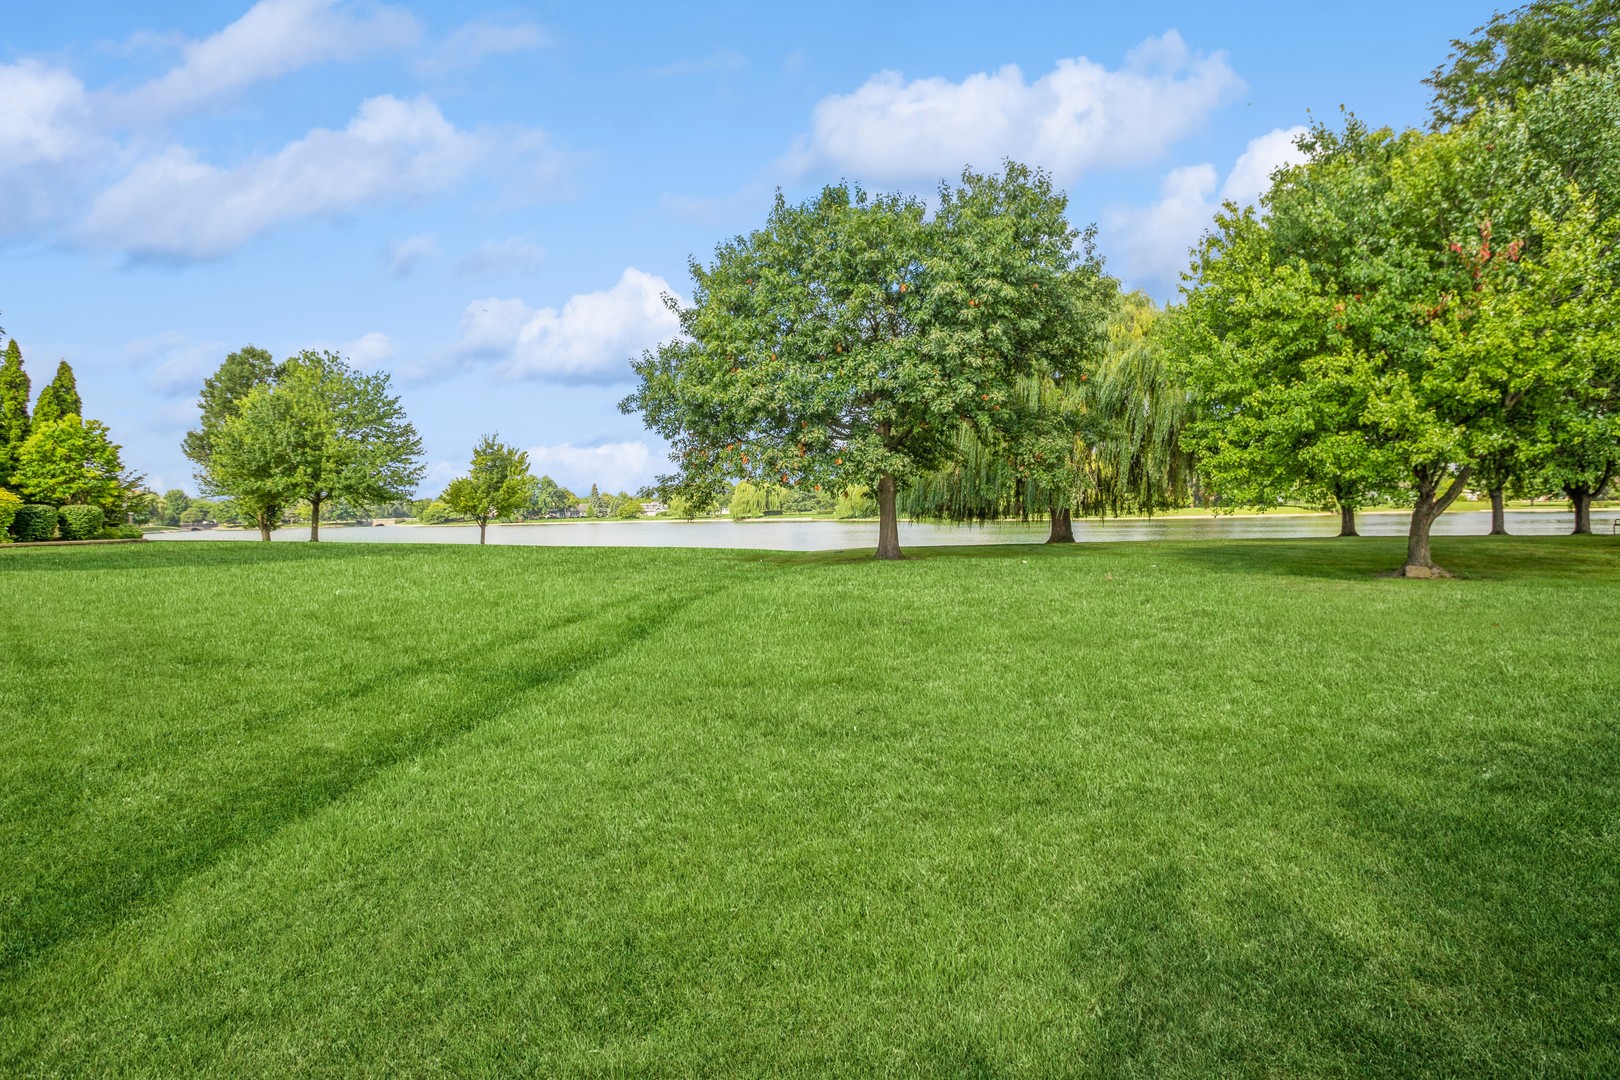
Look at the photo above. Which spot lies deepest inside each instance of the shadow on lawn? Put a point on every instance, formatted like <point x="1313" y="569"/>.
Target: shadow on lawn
<point x="1495" y="951"/>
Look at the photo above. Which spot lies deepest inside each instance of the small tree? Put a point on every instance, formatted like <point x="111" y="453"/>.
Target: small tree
<point x="747" y="501"/>
<point x="73" y="461"/>
<point x="345" y="435"/>
<point x="497" y="486"/>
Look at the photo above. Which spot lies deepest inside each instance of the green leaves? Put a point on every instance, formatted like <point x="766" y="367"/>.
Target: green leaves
<point x="498" y="484"/>
<point x="851" y="336"/>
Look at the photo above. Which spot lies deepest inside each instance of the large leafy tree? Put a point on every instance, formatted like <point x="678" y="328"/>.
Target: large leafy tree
<point x="14" y="415"/>
<point x="60" y="397"/>
<point x="497" y="485"/>
<point x="848" y="340"/>
<point x="1527" y="47"/>
<point x="1282" y="396"/>
<point x="71" y="461"/>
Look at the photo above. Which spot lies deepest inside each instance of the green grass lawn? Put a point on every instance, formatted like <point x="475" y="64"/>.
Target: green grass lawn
<point x="1154" y="810"/>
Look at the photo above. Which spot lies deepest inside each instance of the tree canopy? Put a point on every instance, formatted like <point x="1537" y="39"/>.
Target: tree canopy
<point x="497" y="485"/>
<point x="848" y="339"/>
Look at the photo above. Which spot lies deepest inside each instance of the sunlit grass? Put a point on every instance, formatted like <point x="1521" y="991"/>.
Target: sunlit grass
<point x="1130" y="809"/>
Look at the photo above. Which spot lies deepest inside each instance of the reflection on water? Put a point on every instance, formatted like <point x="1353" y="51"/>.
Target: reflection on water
<point x="838" y="535"/>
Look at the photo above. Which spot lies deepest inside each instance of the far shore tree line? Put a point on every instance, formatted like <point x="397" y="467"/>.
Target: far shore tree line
<point x="1405" y="316"/>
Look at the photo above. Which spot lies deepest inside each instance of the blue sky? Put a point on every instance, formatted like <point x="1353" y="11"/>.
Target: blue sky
<point x="486" y="201"/>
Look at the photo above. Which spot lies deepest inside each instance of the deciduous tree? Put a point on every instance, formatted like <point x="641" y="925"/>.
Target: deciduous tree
<point x="847" y="340"/>
<point x="497" y="485"/>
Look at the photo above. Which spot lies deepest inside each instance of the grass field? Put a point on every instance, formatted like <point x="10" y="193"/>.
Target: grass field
<point x="1156" y="810"/>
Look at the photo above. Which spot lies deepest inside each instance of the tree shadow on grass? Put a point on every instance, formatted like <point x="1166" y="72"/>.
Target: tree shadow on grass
<point x="1215" y="978"/>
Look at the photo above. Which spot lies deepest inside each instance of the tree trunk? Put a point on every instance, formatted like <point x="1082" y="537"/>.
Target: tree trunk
<point x="264" y="527"/>
<point x="1347" y="520"/>
<point x="888" y="524"/>
<point x="1581" y="499"/>
<point x="1498" y="513"/>
<point x="1062" y="526"/>
<point x="314" y="520"/>
<point x="1431" y="503"/>
<point x="482" y="525"/>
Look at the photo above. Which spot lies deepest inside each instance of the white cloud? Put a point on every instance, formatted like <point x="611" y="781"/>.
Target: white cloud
<point x="1076" y="118"/>
<point x="176" y="206"/>
<point x="471" y="44"/>
<point x="514" y="255"/>
<point x="369" y="351"/>
<point x="590" y="339"/>
<point x="619" y="466"/>
<point x="274" y="38"/>
<point x="1153" y="241"/>
<point x="403" y="255"/>
<point x="44" y="115"/>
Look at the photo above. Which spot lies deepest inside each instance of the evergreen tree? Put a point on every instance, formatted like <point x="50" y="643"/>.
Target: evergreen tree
<point x="60" y="398"/>
<point x="14" y="421"/>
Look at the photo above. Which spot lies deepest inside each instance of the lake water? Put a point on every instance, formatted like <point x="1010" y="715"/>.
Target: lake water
<point x="789" y="535"/>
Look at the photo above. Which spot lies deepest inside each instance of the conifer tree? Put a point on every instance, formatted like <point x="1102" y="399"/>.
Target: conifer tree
<point x="14" y="420"/>
<point x="59" y="398"/>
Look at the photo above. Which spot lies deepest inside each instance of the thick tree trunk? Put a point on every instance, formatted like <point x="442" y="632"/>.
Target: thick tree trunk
<point x="1498" y="513"/>
<point x="1581" y="499"/>
<point x="482" y="525"/>
<point x="314" y="520"/>
<point x="1347" y="520"/>
<point x="1062" y="526"/>
<point x="1431" y="503"/>
<point x="264" y="527"/>
<point x="888" y="524"/>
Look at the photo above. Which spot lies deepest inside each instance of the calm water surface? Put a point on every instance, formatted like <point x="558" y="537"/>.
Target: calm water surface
<point x="838" y="535"/>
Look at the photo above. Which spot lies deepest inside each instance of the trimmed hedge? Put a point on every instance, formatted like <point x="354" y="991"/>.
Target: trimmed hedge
<point x="9" y="505"/>
<point x="34" y="523"/>
<point x="80" y="522"/>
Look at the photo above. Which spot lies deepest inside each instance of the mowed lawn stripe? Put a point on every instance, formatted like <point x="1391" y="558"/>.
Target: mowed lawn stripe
<point x="1140" y="810"/>
<point x="253" y="692"/>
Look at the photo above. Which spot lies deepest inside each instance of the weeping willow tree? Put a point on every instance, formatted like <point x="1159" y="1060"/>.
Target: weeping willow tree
<point x="1105" y="443"/>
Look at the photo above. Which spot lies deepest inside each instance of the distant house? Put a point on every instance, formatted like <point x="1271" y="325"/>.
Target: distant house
<point x="652" y="509"/>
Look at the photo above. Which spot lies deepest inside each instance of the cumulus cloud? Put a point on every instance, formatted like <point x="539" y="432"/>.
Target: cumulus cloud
<point x="615" y="466"/>
<point x="590" y="338"/>
<point x="1153" y="241"/>
<point x="514" y="255"/>
<point x="273" y="38"/>
<point x="92" y="165"/>
<point x="369" y="351"/>
<point x="1079" y="117"/>
<point x="403" y="255"/>
<point x="174" y="205"/>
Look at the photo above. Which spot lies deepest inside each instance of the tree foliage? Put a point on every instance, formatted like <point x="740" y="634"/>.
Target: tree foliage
<point x="60" y="397"/>
<point x="497" y="485"/>
<point x="74" y="461"/>
<point x="848" y="339"/>
<point x="1527" y="47"/>
<point x="14" y="414"/>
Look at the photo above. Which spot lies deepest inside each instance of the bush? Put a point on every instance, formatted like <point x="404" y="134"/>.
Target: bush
<point x="9" y="504"/>
<point x="34" y="523"/>
<point x="80" y="522"/>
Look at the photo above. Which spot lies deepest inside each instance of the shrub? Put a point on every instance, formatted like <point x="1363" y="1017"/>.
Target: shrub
<point x="9" y="505"/>
<point x="80" y="522"/>
<point x="33" y="523"/>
